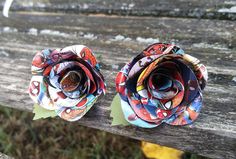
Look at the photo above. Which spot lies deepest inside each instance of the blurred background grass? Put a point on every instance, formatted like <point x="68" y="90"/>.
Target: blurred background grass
<point x="21" y="137"/>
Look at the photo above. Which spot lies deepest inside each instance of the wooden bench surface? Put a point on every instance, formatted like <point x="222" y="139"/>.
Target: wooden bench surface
<point x="115" y="39"/>
<point x="220" y="9"/>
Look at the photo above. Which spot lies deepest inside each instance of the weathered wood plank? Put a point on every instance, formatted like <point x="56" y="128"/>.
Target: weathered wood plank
<point x="212" y="41"/>
<point x="219" y="9"/>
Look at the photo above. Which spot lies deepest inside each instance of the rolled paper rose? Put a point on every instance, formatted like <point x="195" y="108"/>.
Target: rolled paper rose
<point x="66" y="80"/>
<point x="161" y="85"/>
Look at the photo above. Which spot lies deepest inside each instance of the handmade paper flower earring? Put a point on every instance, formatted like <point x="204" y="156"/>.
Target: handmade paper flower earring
<point x="161" y="85"/>
<point x="66" y="82"/>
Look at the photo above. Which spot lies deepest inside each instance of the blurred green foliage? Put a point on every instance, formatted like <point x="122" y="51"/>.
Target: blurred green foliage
<point x="21" y="137"/>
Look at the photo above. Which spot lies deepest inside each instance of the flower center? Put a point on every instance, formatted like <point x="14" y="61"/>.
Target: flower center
<point x="161" y="82"/>
<point x="71" y="81"/>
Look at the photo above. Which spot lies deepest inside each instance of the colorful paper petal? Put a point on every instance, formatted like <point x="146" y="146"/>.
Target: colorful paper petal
<point x="161" y="84"/>
<point x="66" y="80"/>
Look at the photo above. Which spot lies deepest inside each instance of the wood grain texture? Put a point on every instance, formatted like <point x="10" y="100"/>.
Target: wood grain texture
<point x="115" y="40"/>
<point x="211" y="9"/>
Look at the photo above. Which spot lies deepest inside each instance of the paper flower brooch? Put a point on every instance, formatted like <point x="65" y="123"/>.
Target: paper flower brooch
<point x="66" y="80"/>
<point x="161" y="85"/>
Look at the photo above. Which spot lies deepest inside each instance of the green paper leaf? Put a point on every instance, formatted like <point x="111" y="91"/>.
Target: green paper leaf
<point x="117" y="113"/>
<point x="40" y="112"/>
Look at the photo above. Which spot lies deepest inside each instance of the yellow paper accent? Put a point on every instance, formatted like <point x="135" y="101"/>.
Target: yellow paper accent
<point x="146" y="72"/>
<point x="139" y="88"/>
<point x="155" y="151"/>
<point x="141" y="76"/>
